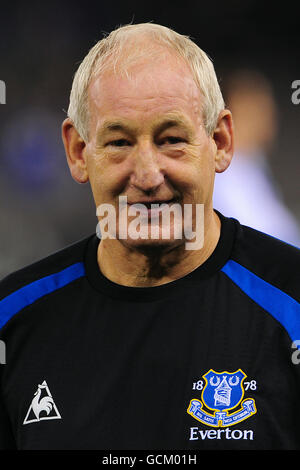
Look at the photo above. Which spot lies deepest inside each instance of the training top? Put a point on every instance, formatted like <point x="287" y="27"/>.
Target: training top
<point x="208" y="361"/>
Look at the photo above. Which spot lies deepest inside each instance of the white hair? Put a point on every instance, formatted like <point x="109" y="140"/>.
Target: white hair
<point x="108" y="52"/>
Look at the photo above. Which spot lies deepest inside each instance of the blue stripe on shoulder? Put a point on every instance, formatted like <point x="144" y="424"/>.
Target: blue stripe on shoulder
<point x="279" y="304"/>
<point x="28" y="294"/>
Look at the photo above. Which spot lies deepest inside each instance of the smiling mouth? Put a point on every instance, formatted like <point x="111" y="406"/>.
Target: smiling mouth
<point x="149" y="204"/>
<point x="153" y="209"/>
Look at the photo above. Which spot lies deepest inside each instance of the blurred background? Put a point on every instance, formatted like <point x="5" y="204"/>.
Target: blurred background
<point x="255" y="49"/>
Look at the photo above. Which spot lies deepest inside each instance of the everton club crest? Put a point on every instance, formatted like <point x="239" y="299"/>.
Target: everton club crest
<point x="222" y="401"/>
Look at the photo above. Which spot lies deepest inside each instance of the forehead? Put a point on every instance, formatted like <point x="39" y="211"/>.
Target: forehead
<point x="150" y="90"/>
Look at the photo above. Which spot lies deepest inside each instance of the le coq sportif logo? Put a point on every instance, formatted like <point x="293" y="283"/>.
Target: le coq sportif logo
<point x="42" y="406"/>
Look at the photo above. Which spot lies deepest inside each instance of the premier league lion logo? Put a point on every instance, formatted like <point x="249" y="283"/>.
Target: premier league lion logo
<point x="223" y="391"/>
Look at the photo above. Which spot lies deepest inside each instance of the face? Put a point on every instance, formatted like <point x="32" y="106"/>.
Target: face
<point x="148" y="143"/>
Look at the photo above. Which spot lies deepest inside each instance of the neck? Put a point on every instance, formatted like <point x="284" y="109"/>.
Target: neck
<point x="152" y="266"/>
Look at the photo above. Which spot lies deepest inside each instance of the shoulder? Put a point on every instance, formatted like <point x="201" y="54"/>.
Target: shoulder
<point x="22" y="287"/>
<point x="269" y="259"/>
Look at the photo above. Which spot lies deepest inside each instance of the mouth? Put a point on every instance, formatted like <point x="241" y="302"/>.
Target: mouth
<point x="150" y="203"/>
<point x="153" y="208"/>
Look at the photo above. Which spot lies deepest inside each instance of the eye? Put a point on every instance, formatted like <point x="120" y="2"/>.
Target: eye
<point x="119" y="143"/>
<point x="171" y="140"/>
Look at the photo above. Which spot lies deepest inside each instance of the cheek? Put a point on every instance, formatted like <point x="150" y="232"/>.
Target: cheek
<point x="194" y="172"/>
<point x="107" y="180"/>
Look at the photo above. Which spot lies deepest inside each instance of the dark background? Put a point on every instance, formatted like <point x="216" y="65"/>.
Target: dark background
<point x="41" y="208"/>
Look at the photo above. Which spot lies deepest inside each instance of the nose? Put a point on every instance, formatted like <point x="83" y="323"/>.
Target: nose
<point x="147" y="173"/>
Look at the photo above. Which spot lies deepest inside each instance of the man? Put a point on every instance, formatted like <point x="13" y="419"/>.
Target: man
<point x="149" y="341"/>
<point x="249" y="181"/>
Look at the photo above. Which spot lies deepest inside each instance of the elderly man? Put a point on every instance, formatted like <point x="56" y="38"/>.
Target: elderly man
<point x="179" y="329"/>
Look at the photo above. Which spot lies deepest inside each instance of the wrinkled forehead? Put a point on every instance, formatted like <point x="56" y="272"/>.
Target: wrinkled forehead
<point x="149" y="86"/>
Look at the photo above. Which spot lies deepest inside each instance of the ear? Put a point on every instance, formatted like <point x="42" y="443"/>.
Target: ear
<point x="75" y="151"/>
<point x="224" y="139"/>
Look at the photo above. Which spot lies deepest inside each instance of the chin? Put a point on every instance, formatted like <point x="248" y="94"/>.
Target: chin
<point x="151" y="244"/>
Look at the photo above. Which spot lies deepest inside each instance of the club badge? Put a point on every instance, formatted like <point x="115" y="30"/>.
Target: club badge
<point x="223" y="398"/>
